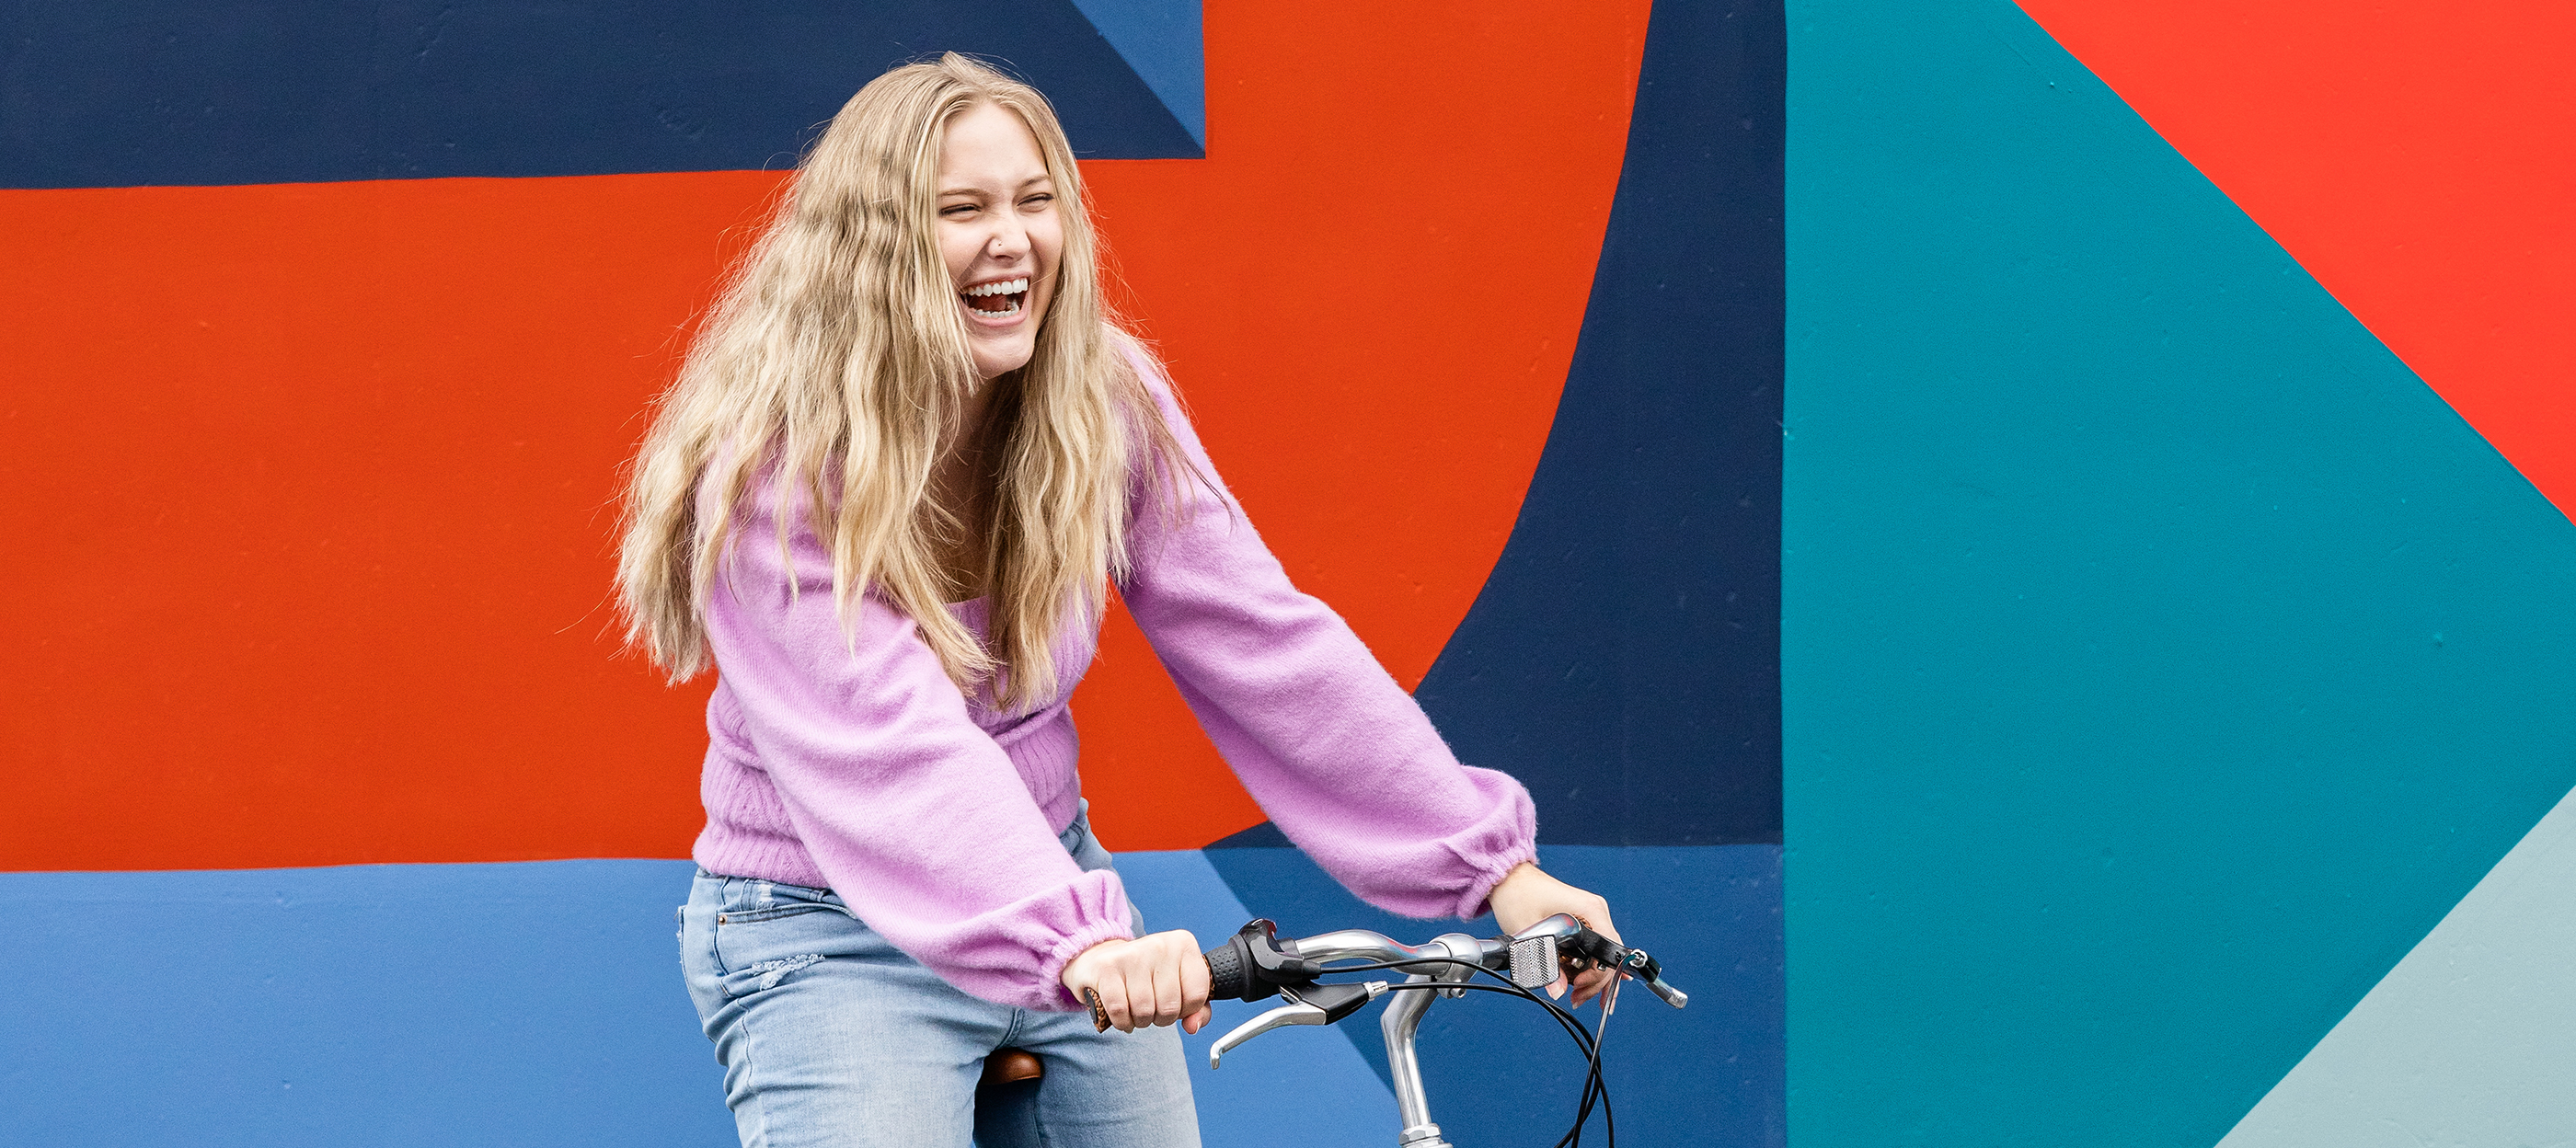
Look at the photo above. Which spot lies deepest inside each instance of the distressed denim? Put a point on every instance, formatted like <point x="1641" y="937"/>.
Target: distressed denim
<point x="831" y="1036"/>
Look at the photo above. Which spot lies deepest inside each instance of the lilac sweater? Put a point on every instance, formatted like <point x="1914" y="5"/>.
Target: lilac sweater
<point x="935" y="816"/>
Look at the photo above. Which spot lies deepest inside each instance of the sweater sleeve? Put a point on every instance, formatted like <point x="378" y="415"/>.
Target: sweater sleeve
<point x="1341" y="758"/>
<point x="915" y="816"/>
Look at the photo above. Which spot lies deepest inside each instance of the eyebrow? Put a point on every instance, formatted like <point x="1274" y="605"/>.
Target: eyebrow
<point x="1024" y="186"/>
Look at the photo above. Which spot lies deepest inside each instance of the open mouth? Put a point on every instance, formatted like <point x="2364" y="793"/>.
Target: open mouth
<point x="999" y="299"/>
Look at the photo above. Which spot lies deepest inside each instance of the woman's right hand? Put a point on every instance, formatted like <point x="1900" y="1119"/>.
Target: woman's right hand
<point x="1155" y="979"/>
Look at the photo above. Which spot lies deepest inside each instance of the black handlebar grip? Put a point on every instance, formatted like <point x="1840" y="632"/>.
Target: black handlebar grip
<point x="1226" y="979"/>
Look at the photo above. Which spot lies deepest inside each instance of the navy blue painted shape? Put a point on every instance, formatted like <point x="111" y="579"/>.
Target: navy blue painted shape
<point x="1499" y="1072"/>
<point x="1624" y="658"/>
<point x="135" y="92"/>
<point x="1263" y="836"/>
<point x="386" y="1005"/>
<point x="1162" y="41"/>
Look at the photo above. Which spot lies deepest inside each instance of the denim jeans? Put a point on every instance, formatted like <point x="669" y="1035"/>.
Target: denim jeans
<point x="831" y="1036"/>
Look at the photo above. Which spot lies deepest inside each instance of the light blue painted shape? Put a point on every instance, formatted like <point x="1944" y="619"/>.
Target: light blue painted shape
<point x="2469" y="1041"/>
<point x="1296" y="1086"/>
<point x="2162" y="659"/>
<point x="533" y="1004"/>
<point x="1498" y="1071"/>
<point x="384" y="1005"/>
<point x="1160" y="40"/>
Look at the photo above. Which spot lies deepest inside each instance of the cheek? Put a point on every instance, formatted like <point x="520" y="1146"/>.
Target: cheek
<point x="957" y="249"/>
<point x="1049" y="242"/>
<point x="1054" y="278"/>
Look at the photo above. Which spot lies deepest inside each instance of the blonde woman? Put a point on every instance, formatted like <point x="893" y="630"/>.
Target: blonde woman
<point x="899" y="471"/>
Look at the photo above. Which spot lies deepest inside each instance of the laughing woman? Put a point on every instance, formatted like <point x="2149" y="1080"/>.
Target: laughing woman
<point x="886" y="498"/>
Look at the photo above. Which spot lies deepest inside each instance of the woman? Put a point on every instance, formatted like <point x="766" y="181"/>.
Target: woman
<point x="887" y="496"/>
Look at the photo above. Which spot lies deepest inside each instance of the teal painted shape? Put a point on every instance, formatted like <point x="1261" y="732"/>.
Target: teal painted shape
<point x="1301" y="1086"/>
<point x="1161" y="41"/>
<point x="2161" y="657"/>
<point x="2471" y="1040"/>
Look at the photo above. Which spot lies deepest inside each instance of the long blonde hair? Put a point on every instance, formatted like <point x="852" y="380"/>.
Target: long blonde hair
<point x="837" y="357"/>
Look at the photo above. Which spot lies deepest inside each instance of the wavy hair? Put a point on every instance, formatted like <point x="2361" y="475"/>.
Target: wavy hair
<point x="836" y="360"/>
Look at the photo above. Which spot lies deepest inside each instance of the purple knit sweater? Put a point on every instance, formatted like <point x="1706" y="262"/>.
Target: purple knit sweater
<point x="863" y="769"/>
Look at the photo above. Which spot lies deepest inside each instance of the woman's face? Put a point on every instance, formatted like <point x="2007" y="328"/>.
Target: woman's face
<point x="1000" y="233"/>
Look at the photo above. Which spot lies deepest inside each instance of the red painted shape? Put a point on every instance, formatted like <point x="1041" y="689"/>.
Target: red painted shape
<point x="310" y="486"/>
<point x="2418" y="159"/>
<point x="1369" y="294"/>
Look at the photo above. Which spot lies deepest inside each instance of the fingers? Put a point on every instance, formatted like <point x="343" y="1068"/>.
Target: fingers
<point x="1593" y="912"/>
<point x="1166" y="979"/>
<point x="1194" y="977"/>
<point x="1117" y="1001"/>
<point x="1082" y="979"/>
<point x="1156" y="980"/>
<point x="1590" y="984"/>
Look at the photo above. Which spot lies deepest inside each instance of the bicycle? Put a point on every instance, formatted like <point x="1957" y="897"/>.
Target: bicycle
<point x="1255" y="964"/>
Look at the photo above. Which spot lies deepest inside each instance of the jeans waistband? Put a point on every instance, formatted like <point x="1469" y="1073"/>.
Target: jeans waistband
<point x="1078" y="829"/>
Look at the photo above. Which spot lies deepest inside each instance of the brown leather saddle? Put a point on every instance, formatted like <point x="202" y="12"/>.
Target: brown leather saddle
<point x="1010" y="1066"/>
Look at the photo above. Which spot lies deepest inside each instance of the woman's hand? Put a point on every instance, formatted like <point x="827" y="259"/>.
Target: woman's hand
<point x="1526" y="897"/>
<point x="1155" y="979"/>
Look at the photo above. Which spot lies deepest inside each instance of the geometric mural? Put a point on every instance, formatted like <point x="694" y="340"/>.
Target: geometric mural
<point x="2022" y="547"/>
<point x="365" y="308"/>
<point x="2467" y="1040"/>
<point x="2162" y="658"/>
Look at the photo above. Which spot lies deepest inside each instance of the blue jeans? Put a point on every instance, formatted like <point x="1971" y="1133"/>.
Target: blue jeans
<point x="829" y="1035"/>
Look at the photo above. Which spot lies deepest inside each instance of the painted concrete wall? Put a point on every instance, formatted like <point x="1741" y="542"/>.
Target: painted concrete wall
<point x="2020" y="546"/>
<point x="2176" y="615"/>
<point x="338" y="809"/>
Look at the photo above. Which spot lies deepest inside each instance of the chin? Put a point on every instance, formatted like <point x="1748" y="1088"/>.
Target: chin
<point x="995" y="363"/>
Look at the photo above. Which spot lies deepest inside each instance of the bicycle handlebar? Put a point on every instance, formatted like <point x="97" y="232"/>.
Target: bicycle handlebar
<point x="1255" y="963"/>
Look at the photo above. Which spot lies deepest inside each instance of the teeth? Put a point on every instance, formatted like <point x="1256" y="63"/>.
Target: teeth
<point x="1005" y="287"/>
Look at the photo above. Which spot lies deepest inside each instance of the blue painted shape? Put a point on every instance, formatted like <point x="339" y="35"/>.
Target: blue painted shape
<point x="1623" y="658"/>
<point x="1160" y="39"/>
<point x="525" y="1004"/>
<point x="1499" y="1072"/>
<point x="390" y="1005"/>
<point x="1294" y="1087"/>
<point x="130" y="92"/>
<point x="2162" y="657"/>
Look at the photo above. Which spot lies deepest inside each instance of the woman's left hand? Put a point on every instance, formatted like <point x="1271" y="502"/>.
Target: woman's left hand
<point x="1526" y="896"/>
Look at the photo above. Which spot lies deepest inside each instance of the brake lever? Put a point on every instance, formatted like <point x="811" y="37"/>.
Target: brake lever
<point x="1307" y="1004"/>
<point x="1287" y="1014"/>
<point x="1645" y="968"/>
<point x="1588" y="949"/>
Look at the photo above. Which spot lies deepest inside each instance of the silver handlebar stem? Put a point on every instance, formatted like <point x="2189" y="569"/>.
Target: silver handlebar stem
<point x="1438" y="962"/>
<point x="1402" y="1017"/>
<point x="1404" y="1014"/>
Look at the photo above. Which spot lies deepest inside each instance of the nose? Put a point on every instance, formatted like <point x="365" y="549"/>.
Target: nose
<point x="1010" y="239"/>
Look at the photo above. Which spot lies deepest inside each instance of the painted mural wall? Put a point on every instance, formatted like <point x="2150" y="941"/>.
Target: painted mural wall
<point x="2177" y="617"/>
<point x="331" y="327"/>
<point x="2074" y="489"/>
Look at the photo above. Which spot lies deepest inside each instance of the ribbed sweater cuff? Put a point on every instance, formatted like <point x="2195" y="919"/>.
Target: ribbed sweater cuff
<point x="1471" y="904"/>
<point x="1051" y="970"/>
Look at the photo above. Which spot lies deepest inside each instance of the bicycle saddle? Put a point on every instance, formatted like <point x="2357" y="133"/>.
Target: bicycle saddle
<point x="1010" y="1066"/>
